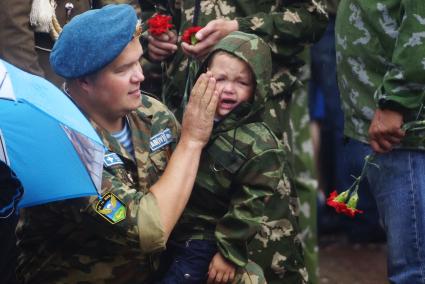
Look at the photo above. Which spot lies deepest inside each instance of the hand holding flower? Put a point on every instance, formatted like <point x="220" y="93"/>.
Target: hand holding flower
<point x="209" y="36"/>
<point x="162" y="42"/>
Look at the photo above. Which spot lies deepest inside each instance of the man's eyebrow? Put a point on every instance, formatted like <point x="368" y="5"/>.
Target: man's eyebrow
<point x="125" y="65"/>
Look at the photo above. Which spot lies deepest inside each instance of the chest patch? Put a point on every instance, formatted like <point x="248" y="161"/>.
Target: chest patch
<point x="112" y="159"/>
<point x="161" y="139"/>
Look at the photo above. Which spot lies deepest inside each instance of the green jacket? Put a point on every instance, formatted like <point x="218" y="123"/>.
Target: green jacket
<point x="381" y="63"/>
<point x="69" y="242"/>
<point x="243" y="168"/>
<point x="286" y="27"/>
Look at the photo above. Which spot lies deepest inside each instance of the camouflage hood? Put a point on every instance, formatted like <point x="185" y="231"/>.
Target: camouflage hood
<point x="256" y="53"/>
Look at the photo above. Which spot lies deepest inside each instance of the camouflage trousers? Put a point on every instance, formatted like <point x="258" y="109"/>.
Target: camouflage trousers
<point x="305" y="179"/>
<point x="250" y="274"/>
<point x="276" y="248"/>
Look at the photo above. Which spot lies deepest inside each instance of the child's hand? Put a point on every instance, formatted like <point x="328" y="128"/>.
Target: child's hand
<point x="220" y="270"/>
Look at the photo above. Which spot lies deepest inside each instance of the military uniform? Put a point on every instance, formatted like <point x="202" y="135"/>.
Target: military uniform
<point x="27" y="48"/>
<point x="286" y="27"/>
<point x="244" y="183"/>
<point x="381" y="63"/>
<point x="69" y="242"/>
<point x="361" y="80"/>
<point x="305" y="175"/>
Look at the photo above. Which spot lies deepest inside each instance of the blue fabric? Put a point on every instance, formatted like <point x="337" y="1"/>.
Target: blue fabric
<point x="399" y="189"/>
<point x="316" y="104"/>
<point x="324" y="82"/>
<point x="324" y="106"/>
<point x="188" y="262"/>
<point x="41" y="153"/>
<point x="92" y="40"/>
<point x="48" y="98"/>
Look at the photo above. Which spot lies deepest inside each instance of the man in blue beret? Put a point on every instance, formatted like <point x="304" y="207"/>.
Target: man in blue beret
<point x="149" y="167"/>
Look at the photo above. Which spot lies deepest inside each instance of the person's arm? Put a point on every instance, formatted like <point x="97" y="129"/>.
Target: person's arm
<point x="17" y="43"/>
<point x="402" y="90"/>
<point x="291" y="26"/>
<point x="152" y="214"/>
<point x="173" y="189"/>
<point x="294" y="23"/>
<point x="257" y="180"/>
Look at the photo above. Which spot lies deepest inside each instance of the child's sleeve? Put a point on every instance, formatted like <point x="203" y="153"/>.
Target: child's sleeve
<point x="255" y="182"/>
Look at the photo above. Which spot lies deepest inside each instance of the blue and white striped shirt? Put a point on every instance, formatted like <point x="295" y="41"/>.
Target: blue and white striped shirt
<point x="124" y="137"/>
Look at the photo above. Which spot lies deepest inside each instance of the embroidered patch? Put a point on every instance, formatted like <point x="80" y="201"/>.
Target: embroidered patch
<point x="161" y="139"/>
<point x="112" y="159"/>
<point x="111" y="208"/>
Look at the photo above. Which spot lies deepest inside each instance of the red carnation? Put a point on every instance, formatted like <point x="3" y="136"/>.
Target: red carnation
<point x="337" y="201"/>
<point x="352" y="212"/>
<point x="189" y="35"/>
<point x="159" y="24"/>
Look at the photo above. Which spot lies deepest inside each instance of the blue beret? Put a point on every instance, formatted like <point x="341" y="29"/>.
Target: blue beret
<point x="92" y="40"/>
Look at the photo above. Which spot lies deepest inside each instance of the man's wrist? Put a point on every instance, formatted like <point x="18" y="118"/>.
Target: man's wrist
<point x="191" y="144"/>
<point x="392" y="105"/>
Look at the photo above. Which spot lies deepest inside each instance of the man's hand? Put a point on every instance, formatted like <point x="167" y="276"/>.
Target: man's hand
<point x="209" y="35"/>
<point x="385" y="130"/>
<point x="163" y="46"/>
<point x="198" y="117"/>
<point x="220" y="270"/>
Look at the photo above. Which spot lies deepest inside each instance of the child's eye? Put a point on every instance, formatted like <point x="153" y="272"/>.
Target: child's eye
<point x="219" y="79"/>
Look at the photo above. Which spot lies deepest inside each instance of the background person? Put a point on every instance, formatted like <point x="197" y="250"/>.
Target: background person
<point x="381" y="76"/>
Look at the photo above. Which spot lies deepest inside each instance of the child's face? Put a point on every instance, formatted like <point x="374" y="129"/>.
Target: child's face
<point x="234" y="82"/>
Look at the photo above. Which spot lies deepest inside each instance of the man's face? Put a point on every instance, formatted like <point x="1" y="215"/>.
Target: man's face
<point x="234" y="82"/>
<point x="115" y="90"/>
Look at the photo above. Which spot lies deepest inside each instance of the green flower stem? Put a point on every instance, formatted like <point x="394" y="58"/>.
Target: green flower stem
<point x="190" y="80"/>
<point x="163" y="76"/>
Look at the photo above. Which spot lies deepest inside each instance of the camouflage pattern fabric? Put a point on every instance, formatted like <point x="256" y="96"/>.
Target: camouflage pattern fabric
<point x="381" y="62"/>
<point x="332" y="6"/>
<point x="244" y="183"/>
<point x="68" y="242"/>
<point x="249" y="274"/>
<point x="286" y="26"/>
<point x="305" y="174"/>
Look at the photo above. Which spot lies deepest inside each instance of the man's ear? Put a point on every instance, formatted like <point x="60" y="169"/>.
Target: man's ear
<point x="85" y="84"/>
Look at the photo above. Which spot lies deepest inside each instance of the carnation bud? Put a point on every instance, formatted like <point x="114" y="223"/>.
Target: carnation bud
<point x="342" y="197"/>
<point x="352" y="202"/>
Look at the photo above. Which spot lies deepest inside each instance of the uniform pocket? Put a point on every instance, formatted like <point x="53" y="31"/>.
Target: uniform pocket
<point x="160" y="158"/>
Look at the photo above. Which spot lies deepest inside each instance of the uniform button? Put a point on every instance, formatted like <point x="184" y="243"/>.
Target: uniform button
<point x="186" y="276"/>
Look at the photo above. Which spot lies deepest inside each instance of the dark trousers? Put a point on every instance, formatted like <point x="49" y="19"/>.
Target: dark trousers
<point x="10" y="193"/>
<point x="186" y="262"/>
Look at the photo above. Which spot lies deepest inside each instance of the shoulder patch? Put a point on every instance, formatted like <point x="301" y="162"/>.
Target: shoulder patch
<point x="161" y="139"/>
<point x="112" y="159"/>
<point x="111" y="208"/>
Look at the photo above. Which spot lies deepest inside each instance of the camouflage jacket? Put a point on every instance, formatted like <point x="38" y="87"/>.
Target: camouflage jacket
<point x="69" y="242"/>
<point x="242" y="168"/>
<point x="287" y="26"/>
<point x="381" y="63"/>
<point x="332" y="6"/>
